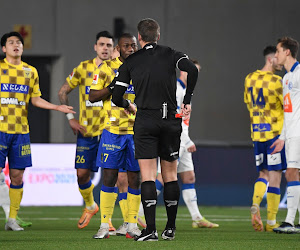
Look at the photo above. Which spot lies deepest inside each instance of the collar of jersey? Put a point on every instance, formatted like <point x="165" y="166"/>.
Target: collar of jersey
<point x="13" y="65"/>
<point x="181" y="83"/>
<point x="294" y="66"/>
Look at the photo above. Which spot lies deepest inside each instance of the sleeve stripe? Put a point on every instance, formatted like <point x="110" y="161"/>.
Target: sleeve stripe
<point x="180" y="59"/>
<point x="122" y="84"/>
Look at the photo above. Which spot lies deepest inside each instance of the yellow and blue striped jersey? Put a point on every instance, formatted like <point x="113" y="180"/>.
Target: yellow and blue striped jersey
<point x="91" y="114"/>
<point x="116" y="120"/>
<point x="263" y="96"/>
<point x="18" y="84"/>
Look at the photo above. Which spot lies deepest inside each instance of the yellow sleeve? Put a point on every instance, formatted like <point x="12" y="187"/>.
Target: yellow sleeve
<point x="74" y="78"/>
<point x="36" y="86"/>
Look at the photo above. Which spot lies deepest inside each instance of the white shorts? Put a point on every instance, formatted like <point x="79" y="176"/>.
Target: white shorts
<point x="292" y="151"/>
<point x="185" y="162"/>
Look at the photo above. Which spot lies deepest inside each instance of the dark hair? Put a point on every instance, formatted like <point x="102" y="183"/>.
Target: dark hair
<point x="104" y="34"/>
<point x="269" y="50"/>
<point x="149" y="30"/>
<point x="10" y="34"/>
<point x="291" y="44"/>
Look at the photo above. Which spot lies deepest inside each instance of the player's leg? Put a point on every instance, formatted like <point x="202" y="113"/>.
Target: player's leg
<point x="134" y="192"/>
<point x="85" y="162"/>
<point x="260" y="186"/>
<point x="292" y="176"/>
<point x="276" y="164"/>
<point x="149" y="198"/>
<point x="19" y="158"/>
<point x="122" y="184"/>
<point x="273" y="199"/>
<point x="110" y="158"/>
<point x="4" y="194"/>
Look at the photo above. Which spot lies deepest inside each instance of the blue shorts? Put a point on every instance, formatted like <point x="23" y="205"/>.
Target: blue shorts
<point x="264" y="159"/>
<point x="117" y="152"/>
<point x="86" y="152"/>
<point x="16" y="147"/>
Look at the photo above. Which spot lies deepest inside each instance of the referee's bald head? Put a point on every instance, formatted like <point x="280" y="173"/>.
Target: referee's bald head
<point x="149" y="30"/>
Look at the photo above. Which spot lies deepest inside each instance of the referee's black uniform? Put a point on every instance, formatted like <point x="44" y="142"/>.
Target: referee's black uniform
<point x="153" y="74"/>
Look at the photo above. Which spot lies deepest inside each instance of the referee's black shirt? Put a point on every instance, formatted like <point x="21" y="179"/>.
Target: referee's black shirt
<point x="153" y="74"/>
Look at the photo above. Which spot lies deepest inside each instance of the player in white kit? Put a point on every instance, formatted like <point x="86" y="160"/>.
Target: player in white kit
<point x="287" y="49"/>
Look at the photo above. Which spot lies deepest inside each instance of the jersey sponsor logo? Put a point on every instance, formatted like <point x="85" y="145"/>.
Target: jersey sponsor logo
<point x="87" y="90"/>
<point x="290" y="85"/>
<point x="71" y="75"/>
<point x="13" y="101"/>
<point x="287" y="103"/>
<point x="25" y="150"/>
<point x="95" y="104"/>
<point x="15" y="88"/>
<point x="130" y="90"/>
<point x="261" y="127"/>
<point x="27" y="69"/>
<point x="95" y="79"/>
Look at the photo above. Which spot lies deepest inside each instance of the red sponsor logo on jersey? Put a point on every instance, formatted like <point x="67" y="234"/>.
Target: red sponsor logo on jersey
<point x="287" y="103"/>
<point x="95" y="79"/>
<point x="71" y="75"/>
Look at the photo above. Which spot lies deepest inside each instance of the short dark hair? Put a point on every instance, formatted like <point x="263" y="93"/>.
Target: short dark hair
<point x="269" y="50"/>
<point x="291" y="44"/>
<point x="10" y="34"/>
<point x="126" y="35"/>
<point x="104" y="33"/>
<point x="149" y="30"/>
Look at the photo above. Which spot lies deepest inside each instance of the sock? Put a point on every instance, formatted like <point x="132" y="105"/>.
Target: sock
<point x="190" y="198"/>
<point x="86" y="191"/>
<point x="260" y="187"/>
<point x="149" y="200"/>
<point x="293" y="195"/>
<point x="159" y="187"/>
<point x="107" y="203"/>
<point x="141" y="210"/>
<point x="124" y="206"/>
<point x="116" y="190"/>
<point x="273" y="200"/>
<point x="171" y="198"/>
<point x="15" y="195"/>
<point x="4" y="195"/>
<point x="134" y="201"/>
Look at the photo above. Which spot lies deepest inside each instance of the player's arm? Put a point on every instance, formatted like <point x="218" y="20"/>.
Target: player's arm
<point x="63" y="98"/>
<point x="184" y="64"/>
<point x="121" y="81"/>
<point x="98" y="95"/>
<point x="41" y="103"/>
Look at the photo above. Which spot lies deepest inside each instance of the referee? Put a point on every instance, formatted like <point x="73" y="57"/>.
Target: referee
<point x="157" y="129"/>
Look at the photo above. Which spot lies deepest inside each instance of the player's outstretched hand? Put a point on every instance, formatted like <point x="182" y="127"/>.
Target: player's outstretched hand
<point x="131" y="109"/>
<point x="277" y="145"/>
<point x="76" y="127"/>
<point x="65" y="109"/>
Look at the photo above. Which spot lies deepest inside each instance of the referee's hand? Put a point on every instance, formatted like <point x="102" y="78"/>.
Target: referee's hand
<point x="131" y="109"/>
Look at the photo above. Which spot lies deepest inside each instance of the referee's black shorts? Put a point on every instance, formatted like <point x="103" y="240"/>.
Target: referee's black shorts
<point x="154" y="136"/>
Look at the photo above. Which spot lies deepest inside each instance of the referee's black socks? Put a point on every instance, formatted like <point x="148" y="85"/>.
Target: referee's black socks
<point x="149" y="200"/>
<point x="171" y="198"/>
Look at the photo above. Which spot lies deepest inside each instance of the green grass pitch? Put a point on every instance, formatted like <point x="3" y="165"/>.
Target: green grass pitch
<point x="56" y="228"/>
